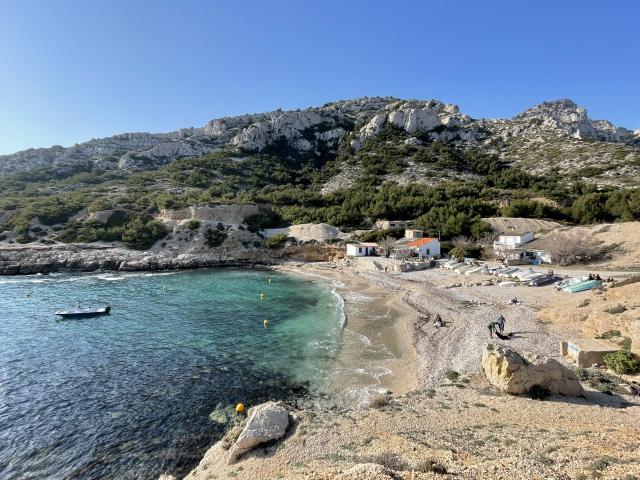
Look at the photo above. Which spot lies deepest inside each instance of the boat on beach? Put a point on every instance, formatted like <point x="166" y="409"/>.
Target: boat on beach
<point x="79" y="312"/>
<point x="582" y="286"/>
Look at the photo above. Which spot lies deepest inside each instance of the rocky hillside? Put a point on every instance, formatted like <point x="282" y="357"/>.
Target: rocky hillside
<point x="553" y="135"/>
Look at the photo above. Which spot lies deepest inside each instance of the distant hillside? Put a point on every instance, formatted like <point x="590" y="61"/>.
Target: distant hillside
<point x="555" y="134"/>
<point x="345" y="163"/>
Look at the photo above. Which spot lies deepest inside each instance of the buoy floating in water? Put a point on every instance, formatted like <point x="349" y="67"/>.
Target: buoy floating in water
<point x="269" y="279"/>
<point x="262" y="296"/>
<point x="240" y="408"/>
<point x="265" y="323"/>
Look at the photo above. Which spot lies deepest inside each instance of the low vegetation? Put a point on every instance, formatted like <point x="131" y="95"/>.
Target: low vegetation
<point x="622" y="362"/>
<point x="215" y="237"/>
<point x="471" y="185"/>
<point x="276" y="241"/>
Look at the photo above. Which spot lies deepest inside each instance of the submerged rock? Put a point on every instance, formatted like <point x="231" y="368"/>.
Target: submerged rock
<point x="267" y="422"/>
<point x="514" y="373"/>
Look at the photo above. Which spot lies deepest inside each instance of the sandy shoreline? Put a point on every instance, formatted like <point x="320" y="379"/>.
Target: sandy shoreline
<point x="392" y="332"/>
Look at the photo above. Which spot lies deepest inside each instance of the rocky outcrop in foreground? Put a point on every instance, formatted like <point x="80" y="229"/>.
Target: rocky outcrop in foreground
<point x="266" y="423"/>
<point x="513" y="373"/>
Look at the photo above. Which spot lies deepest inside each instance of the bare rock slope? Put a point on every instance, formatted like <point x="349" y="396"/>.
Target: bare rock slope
<point x="553" y="135"/>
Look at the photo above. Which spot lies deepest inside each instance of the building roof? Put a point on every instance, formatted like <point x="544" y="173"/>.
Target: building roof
<point x="364" y="244"/>
<point x="593" y="345"/>
<point x="419" y="242"/>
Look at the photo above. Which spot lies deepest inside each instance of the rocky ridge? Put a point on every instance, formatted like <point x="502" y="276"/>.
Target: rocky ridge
<point x="553" y="134"/>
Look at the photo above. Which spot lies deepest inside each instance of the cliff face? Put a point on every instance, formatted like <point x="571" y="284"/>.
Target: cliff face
<point x="554" y="134"/>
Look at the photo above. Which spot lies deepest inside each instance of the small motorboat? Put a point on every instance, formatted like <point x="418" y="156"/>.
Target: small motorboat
<point x="84" y="312"/>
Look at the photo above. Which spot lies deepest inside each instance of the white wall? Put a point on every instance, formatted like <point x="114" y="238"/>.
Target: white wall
<point x="430" y="249"/>
<point x="357" y="251"/>
<point x="515" y="240"/>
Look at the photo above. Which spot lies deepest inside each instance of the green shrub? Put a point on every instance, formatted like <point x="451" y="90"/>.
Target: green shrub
<point x="118" y="218"/>
<point x="609" y="334"/>
<point x="616" y="309"/>
<point x="622" y="362"/>
<point x="470" y="251"/>
<point x="260" y="221"/>
<point x="88" y="232"/>
<point x="215" y="238"/>
<point x="276" y="241"/>
<point x="142" y="235"/>
<point x="452" y="375"/>
<point x="193" y="224"/>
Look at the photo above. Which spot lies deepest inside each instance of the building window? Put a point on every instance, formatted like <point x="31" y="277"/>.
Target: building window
<point x="359" y="249"/>
<point x="428" y="251"/>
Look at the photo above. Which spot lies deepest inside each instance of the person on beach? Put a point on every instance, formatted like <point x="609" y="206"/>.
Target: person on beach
<point x="500" y="323"/>
<point x="492" y="326"/>
<point x="438" y="322"/>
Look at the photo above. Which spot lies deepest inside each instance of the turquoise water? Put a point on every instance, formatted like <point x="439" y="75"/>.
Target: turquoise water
<point x="128" y="395"/>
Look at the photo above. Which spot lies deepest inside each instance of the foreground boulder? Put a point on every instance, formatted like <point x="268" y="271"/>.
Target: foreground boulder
<point x="514" y="373"/>
<point x="267" y="422"/>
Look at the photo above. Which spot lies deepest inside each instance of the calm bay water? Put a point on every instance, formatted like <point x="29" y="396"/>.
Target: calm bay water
<point x="128" y="395"/>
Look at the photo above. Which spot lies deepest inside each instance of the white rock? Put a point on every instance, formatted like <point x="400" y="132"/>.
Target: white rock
<point x="266" y="422"/>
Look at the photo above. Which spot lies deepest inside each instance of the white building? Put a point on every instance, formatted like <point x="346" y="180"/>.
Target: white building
<point x="514" y="241"/>
<point x="413" y="233"/>
<point x="390" y="224"/>
<point x="421" y="247"/>
<point x="361" y="249"/>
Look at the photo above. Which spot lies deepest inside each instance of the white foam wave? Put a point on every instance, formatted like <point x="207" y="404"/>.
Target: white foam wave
<point x="335" y="284"/>
<point x="361" y="337"/>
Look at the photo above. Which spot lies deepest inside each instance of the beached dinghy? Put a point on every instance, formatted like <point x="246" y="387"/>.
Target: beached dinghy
<point x="582" y="286"/>
<point x="84" y="312"/>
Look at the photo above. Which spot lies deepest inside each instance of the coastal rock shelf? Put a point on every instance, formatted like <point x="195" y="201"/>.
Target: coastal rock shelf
<point x="24" y="261"/>
<point x="30" y="260"/>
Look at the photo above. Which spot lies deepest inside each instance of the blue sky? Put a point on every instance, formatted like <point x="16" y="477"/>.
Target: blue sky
<point x="74" y="70"/>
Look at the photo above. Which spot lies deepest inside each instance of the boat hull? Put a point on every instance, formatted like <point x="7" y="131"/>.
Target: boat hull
<point x="84" y="313"/>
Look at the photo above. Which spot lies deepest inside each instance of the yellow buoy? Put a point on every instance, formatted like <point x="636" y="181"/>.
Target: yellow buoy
<point x="262" y="296"/>
<point x="265" y="323"/>
<point x="240" y="408"/>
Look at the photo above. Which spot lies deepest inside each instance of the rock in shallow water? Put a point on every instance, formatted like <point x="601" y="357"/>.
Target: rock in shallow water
<point x="514" y="373"/>
<point x="267" y="422"/>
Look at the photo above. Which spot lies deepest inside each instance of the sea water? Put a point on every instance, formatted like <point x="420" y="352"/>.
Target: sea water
<point x="128" y="395"/>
